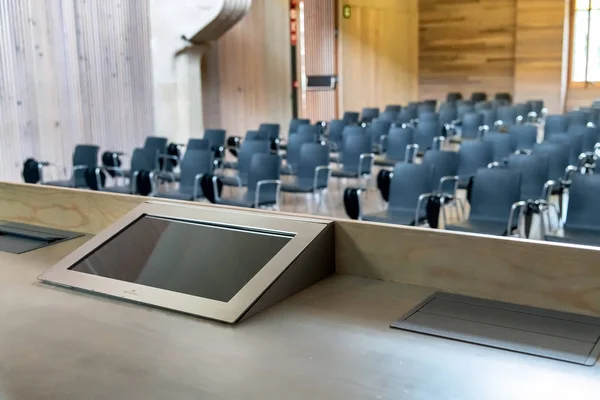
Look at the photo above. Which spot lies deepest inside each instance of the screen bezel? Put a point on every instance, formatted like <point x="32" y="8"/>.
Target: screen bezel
<point x="301" y="231"/>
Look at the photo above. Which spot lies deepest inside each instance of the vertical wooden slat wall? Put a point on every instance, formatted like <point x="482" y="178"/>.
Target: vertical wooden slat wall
<point x="72" y="71"/>
<point x="319" y="58"/>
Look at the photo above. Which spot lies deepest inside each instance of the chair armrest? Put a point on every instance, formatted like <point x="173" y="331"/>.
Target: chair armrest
<point x="319" y="172"/>
<point x="168" y="157"/>
<point x="262" y="183"/>
<point x="196" y="186"/>
<point x="523" y="151"/>
<point x="520" y="205"/>
<point x="79" y="167"/>
<point x="445" y="179"/>
<point x="519" y="119"/>
<point x="547" y="191"/>
<point x="569" y="174"/>
<point x="414" y="148"/>
<point x="133" y="181"/>
<point x="361" y="161"/>
<point x="117" y="170"/>
<point x="436" y="140"/>
<point x="153" y="183"/>
<point x="419" y="204"/>
<point x="216" y="188"/>
<point x="494" y="164"/>
<point x="382" y="141"/>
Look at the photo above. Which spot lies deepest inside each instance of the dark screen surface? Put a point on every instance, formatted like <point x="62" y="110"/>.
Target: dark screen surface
<point x="198" y="259"/>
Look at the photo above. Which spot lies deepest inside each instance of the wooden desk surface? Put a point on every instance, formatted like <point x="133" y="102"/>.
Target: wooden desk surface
<point x="331" y="341"/>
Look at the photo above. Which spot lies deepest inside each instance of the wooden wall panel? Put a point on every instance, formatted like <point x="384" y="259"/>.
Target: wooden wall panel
<point x="248" y="71"/>
<point x="72" y="71"/>
<point x="378" y="54"/>
<point x="539" y="51"/>
<point x="582" y="97"/>
<point x="466" y="46"/>
<point x="318" y="57"/>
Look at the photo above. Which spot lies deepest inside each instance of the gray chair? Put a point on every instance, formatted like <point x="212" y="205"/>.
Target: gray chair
<point x="216" y="138"/>
<point x="589" y="134"/>
<point x="141" y="160"/>
<point x="378" y="130"/>
<point x="351" y="117"/>
<point x="167" y="174"/>
<point x="194" y="165"/>
<point x="389" y="115"/>
<point x="425" y="108"/>
<point x="313" y="172"/>
<point x="523" y="112"/>
<point x="483" y="105"/>
<point x="508" y="115"/>
<point x="445" y="176"/>
<point x="263" y="184"/>
<point x="357" y="158"/>
<point x="297" y="122"/>
<point x="477" y="97"/>
<point x="85" y="156"/>
<point x="399" y="147"/>
<point x="429" y="116"/>
<point x="583" y="219"/>
<point x="369" y="114"/>
<point x="272" y="130"/>
<point x="198" y="144"/>
<point x="412" y="109"/>
<point x="537" y="107"/>
<point x="578" y="117"/>
<point x="503" y="97"/>
<point x="472" y="156"/>
<point x="495" y="197"/>
<point x="257" y="135"/>
<point x="309" y="130"/>
<point x="489" y="117"/>
<point x="448" y="114"/>
<point x="245" y="154"/>
<point x="427" y="134"/>
<point x="558" y="158"/>
<point x="393" y="107"/>
<point x="453" y="97"/>
<point x="463" y="109"/>
<point x="294" y="147"/>
<point x="524" y="136"/>
<point x="404" y="117"/>
<point x="573" y="141"/>
<point x="534" y="175"/>
<point x="555" y="124"/>
<point x="335" y="135"/>
<point x="410" y="186"/>
<point x="472" y="125"/>
<point x="156" y="146"/>
<point x="502" y="145"/>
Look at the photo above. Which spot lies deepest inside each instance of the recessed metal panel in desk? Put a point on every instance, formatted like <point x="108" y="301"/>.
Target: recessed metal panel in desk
<point x="562" y="336"/>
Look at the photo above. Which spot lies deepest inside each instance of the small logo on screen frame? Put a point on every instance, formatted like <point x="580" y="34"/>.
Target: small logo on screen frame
<point x="131" y="292"/>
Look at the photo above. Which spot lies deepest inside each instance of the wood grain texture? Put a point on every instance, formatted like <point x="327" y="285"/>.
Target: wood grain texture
<point x="378" y="54"/>
<point x="582" y="97"/>
<point x="539" y="51"/>
<point x="246" y="79"/>
<point x="466" y="46"/>
<point x="72" y="72"/>
<point x="551" y="276"/>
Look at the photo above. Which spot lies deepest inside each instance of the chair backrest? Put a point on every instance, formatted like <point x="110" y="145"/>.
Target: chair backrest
<point x="428" y="116"/>
<point x="489" y="117"/>
<point x="522" y="109"/>
<point x="247" y="151"/>
<point x="84" y="154"/>
<point x="503" y="96"/>
<point x="578" y="117"/>
<point x="443" y="163"/>
<point x="313" y="155"/>
<point x="508" y="115"/>
<point x="502" y="145"/>
<point x="589" y="134"/>
<point x="555" y="124"/>
<point x="463" y="109"/>
<point x="447" y="114"/>
<point x="294" y="147"/>
<point x="353" y="130"/>
<point x="472" y="156"/>
<point x="408" y="183"/>
<point x="295" y="123"/>
<point x="558" y="158"/>
<point x="377" y="129"/>
<point x="494" y="192"/>
<point x="194" y="162"/>
<point x="536" y="106"/>
<point x="256" y="135"/>
<point x="393" y="107"/>
<point x="336" y="128"/>
<point x="389" y="115"/>
<point x="453" y="97"/>
<point x="142" y="160"/>
<point x="425" y="132"/>
<point x="534" y="173"/>
<point x="584" y="207"/>
<point x="216" y="137"/>
<point x="425" y="108"/>
<point x="309" y="130"/>
<point x="354" y="145"/>
<point x="398" y="139"/>
<point x="369" y="114"/>
<point x="431" y="102"/>
<point x="198" y="144"/>
<point x="412" y="109"/>
<point x="156" y="145"/>
<point x="351" y="117"/>
<point x="476" y="97"/>
<point x="404" y="116"/>
<point x="272" y="130"/>
<point x="471" y="122"/>
<point x="264" y="167"/>
<point x="524" y="136"/>
<point x="574" y="143"/>
<point x="483" y="105"/>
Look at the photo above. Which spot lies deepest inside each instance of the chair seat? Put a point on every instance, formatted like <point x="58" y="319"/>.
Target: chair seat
<point x="340" y="173"/>
<point x="229" y="180"/>
<point x="384" y="162"/>
<point x="396" y="217"/>
<point x="247" y="201"/>
<point x="587" y="237"/>
<point x="118" y="189"/>
<point x="286" y="170"/>
<point x="175" y="195"/>
<point x="169" y="177"/>
<point x="496" y="228"/>
<point x="297" y="187"/>
<point x="230" y="164"/>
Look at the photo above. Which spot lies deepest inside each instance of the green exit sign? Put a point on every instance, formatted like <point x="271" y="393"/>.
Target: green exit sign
<point x="347" y="11"/>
